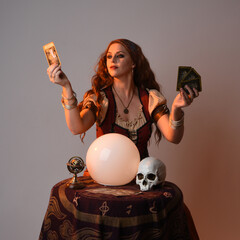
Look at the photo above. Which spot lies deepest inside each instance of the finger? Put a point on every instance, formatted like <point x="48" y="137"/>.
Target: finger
<point x="183" y="93"/>
<point x="186" y="97"/>
<point x="51" y="69"/>
<point x="196" y="92"/>
<point x="54" y="71"/>
<point x="191" y="92"/>
<point x="59" y="74"/>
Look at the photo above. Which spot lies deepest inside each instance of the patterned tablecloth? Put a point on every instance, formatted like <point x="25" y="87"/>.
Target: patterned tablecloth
<point x="123" y="212"/>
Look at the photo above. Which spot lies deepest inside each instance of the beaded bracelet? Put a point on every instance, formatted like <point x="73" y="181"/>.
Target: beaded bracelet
<point x="176" y="124"/>
<point x="72" y="97"/>
<point x="69" y="107"/>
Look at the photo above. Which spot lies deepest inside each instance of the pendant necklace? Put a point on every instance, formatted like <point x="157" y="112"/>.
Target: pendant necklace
<point x="126" y="111"/>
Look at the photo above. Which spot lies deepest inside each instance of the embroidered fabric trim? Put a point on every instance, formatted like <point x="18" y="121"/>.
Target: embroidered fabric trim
<point x="134" y="124"/>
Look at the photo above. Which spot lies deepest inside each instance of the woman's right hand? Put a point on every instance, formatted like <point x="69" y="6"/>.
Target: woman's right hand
<point x="56" y="75"/>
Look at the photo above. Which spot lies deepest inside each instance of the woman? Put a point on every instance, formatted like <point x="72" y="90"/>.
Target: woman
<point x="125" y="98"/>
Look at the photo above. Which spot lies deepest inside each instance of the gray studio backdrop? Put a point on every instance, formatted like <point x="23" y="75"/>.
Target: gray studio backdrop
<point x="35" y="142"/>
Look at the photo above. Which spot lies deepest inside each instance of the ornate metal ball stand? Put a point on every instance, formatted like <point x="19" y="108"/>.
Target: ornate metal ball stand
<point x="75" y="165"/>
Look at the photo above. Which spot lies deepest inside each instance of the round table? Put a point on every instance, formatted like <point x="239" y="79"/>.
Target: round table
<point x="116" y="212"/>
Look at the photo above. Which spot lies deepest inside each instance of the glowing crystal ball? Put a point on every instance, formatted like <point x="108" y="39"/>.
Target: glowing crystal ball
<point x="113" y="160"/>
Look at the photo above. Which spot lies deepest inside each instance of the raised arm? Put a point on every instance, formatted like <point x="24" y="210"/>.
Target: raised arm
<point x="172" y="126"/>
<point x="77" y="122"/>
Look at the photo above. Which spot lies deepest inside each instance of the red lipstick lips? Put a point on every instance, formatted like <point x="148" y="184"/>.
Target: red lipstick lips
<point x="113" y="67"/>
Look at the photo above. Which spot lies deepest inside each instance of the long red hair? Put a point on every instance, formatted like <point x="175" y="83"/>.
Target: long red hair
<point x="143" y="75"/>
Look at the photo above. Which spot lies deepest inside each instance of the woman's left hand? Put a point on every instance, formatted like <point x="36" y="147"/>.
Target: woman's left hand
<point x="183" y="99"/>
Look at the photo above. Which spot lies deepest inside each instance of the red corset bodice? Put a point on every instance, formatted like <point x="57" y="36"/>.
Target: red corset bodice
<point x="109" y="126"/>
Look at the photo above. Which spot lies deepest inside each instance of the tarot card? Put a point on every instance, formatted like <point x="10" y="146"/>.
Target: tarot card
<point x="194" y="83"/>
<point x="182" y="73"/>
<point x="51" y="54"/>
<point x="192" y="79"/>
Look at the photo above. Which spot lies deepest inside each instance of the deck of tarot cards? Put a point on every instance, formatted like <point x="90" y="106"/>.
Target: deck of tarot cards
<point x="188" y="76"/>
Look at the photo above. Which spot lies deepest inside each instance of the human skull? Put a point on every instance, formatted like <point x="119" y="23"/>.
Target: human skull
<point x="151" y="172"/>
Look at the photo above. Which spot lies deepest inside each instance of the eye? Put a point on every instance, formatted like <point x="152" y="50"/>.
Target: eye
<point x="120" y="56"/>
<point x="140" y="176"/>
<point x="109" y="56"/>
<point x="151" y="176"/>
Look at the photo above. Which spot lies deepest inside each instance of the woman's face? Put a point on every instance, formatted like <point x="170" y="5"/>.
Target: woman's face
<point x="119" y="61"/>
